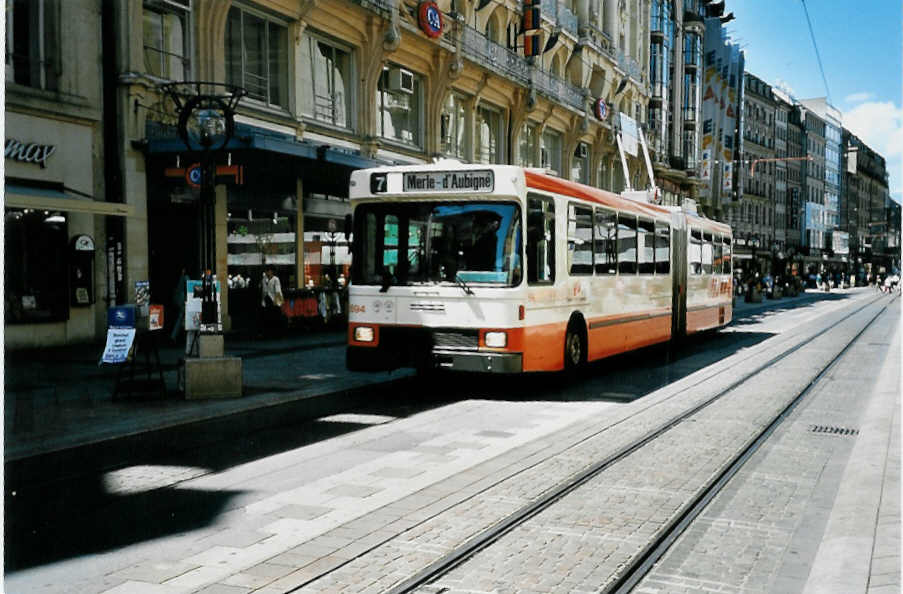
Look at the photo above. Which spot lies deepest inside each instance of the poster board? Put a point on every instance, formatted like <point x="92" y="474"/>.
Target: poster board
<point x="194" y="304"/>
<point x="119" y="345"/>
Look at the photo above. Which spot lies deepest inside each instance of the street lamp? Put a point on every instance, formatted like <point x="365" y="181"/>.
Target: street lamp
<point x="206" y="123"/>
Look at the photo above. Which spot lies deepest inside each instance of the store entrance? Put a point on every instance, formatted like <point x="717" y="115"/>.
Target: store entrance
<point x="173" y="238"/>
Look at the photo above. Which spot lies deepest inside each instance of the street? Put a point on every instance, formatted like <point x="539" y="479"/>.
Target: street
<point x="431" y="461"/>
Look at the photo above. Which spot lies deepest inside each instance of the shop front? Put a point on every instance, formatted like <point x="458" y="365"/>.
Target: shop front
<point x="58" y="277"/>
<point x="281" y="204"/>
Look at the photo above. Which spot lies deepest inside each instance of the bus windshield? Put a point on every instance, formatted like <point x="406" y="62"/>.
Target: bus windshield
<point x="438" y="242"/>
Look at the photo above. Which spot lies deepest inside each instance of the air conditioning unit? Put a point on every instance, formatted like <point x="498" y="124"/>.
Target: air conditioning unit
<point x="401" y="81"/>
<point x="581" y="152"/>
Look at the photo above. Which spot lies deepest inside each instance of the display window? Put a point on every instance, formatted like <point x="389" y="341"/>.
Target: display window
<point x="36" y="275"/>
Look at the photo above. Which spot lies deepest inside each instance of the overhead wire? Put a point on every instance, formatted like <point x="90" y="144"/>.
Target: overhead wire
<point x="817" y="55"/>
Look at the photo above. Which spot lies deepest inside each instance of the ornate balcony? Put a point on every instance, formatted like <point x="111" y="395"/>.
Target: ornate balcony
<point x="478" y="48"/>
<point x="557" y="88"/>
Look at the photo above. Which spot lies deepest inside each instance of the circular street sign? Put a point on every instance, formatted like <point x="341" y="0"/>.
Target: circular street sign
<point x="600" y="109"/>
<point x="430" y="18"/>
<point x="193" y="175"/>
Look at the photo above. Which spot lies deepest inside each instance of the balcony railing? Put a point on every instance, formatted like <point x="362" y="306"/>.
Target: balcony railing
<point x="629" y="65"/>
<point x="480" y="49"/>
<point x="560" y="14"/>
<point x="551" y="85"/>
<point x="381" y="7"/>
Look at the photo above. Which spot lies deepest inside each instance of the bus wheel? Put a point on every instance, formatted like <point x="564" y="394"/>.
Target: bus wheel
<point x="574" y="348"/>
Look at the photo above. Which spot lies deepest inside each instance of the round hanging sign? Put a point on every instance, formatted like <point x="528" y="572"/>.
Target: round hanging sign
<point x="430" y="18"/>
<point x="600" y="109"/>
<point x="194" y="175"/>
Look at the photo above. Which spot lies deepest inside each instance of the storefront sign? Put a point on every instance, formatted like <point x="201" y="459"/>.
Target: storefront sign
<point x="29" y="152"/>
<point x="119" y="343"/>
<point x="430" y="19"/>
<point x="449" y="181"/>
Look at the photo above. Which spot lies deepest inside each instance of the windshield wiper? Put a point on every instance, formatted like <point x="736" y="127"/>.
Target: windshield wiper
<point x="460" y="282"/>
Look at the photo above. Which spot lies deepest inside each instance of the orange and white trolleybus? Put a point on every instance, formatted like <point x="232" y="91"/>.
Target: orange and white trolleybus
<point x="504" y="269"/>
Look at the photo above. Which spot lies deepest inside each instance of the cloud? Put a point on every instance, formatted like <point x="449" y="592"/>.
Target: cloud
<point x="879" y="124"/>
<point x="859" y="97"/>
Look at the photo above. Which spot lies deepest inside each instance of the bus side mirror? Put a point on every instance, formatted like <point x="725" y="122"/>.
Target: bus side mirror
<point x="348" y="226"/>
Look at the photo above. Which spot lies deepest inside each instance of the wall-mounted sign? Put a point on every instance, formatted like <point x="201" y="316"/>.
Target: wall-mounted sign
<point x="600" y="109"/>
<point x="28" y="152"/>
<point x="83" y="243"/>
<point x="430" y="19"/>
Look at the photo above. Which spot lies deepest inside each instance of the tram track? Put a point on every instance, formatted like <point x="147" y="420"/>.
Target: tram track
<point x="636" y="570"/>
<point x="485" y="538"/>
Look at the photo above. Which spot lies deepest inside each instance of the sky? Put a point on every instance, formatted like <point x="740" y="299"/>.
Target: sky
<point x="860" y="44"/>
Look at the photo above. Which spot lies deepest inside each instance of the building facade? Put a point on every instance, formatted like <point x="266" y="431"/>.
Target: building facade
<point x="755" y="212"/>
<point x="63" y="261"/>
<point x="336" y="86"/>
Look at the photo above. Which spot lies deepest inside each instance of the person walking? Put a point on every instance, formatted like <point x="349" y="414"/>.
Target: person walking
<point x="271" y="299"/>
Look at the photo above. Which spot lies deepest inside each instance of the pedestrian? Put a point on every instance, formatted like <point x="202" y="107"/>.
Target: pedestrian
<point x="271" y="298"/>
<point x="179" y="297"/>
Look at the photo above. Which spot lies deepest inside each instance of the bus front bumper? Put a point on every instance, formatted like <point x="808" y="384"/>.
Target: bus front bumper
<point x="378" y="359"/>
<point x="478" y="361"/>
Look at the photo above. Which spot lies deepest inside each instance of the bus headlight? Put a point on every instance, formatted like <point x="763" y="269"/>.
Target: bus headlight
<point x="496" y="340"/>
<point x="363" y="334"/>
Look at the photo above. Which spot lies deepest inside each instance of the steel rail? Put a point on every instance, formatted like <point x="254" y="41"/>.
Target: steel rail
<point x="656" y="550"/>
<point x="485" y="538"/>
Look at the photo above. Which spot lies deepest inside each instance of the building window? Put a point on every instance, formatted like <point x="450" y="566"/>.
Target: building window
<point x="527" y="146"/>
<point x="326" y="79"/>
<point x="453" y="125"/>
<point x="166" y="44"/>
<point x="551" y="151"/>
<point x="399" y="102"/>
<point x="489" y="134"/>
<point x="33" y="43"/>
<point x="580" y="164"/>
<point x="35" y="288"/>
<point x="257" y="56"/>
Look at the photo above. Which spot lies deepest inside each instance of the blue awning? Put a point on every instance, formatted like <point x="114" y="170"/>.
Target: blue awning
<point x="252" y="138"/>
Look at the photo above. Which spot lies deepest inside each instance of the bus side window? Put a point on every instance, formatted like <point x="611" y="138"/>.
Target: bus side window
<point x="580" y="240"/>
<point x="540" y="240"/>
<point x="707" y="253"/>
<point x="718" y="254"/>
<point x="627" y="244"/>
<point x="694" y="248"/>
<point x="726" y="266"/>
<point x="646" y="247"/>
<point x="606" y="237"/>
<point x="662" y="248"/>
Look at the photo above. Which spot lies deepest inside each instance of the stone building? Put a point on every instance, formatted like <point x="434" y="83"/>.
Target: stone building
<point x="62" y="239"/>
<point x="335" y="86"/>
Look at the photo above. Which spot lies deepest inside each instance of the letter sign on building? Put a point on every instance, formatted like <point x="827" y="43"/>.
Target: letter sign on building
<point x="30" y="152"/>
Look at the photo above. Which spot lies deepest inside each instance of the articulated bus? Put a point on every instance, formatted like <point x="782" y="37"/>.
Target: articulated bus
<point x="505" y="269"/>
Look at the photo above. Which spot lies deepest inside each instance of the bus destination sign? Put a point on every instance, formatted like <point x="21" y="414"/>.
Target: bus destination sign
<point x="449" y="181"/>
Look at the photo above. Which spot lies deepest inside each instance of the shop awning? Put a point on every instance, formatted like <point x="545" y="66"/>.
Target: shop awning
<point x="249" y="137"/>
<point x="59" y="198"/>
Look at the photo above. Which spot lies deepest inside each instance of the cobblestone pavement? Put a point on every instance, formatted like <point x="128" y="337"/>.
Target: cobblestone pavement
<point x="763" y="531"/>
<point x="379" y="503"/>
<point x="583" y="541"/>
